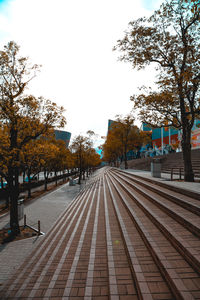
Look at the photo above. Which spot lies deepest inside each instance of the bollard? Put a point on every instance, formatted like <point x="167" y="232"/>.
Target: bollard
<point x="171" y="174"/>
<point x="38" y="227"/>
<point x="24" y="220"/>
<point x="20" y="207"/>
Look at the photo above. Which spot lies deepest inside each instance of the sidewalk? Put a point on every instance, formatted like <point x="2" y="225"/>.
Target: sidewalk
<point x="35" y="189"/>
<point x="165" y="178"/>
<point x="46" y="209"/>
<point x="116" y="240"/>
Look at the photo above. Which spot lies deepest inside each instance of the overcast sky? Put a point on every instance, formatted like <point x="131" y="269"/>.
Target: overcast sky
<point x="73" y="41"/>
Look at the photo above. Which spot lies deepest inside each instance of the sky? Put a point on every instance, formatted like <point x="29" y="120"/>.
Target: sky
<point x="73" y="41"/>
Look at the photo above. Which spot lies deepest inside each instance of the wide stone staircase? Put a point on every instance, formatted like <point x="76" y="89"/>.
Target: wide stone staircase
<point x="171" y="163"/>
<point x="121" y="238"/>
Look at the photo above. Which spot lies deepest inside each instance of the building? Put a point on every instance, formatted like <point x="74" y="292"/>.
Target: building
<point x="110" y="122"/>
<point x="172" y="136"/>
<point x="63" y="135"/>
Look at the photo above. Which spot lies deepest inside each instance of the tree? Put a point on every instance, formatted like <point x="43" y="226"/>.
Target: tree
<point x="49" y="153"/>
<point x="22" y="118"/>
<point x="84" y="153"/>
<point x="124" y="136"/>
<point x="31" y="160"/>
<point x="60" y="159"/>
<point x="111" y="149"/>
<point x="127" y="134"/>
<point x="69" y="161"/>
<point x="92" y="160"/>
<point x="79" y="146"/>
<point x="170" y="38"/>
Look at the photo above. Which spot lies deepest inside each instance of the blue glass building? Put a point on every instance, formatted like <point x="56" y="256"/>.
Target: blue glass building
<point x="63" y="135"/>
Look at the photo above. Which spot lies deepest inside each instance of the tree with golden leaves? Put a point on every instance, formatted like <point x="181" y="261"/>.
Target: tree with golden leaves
<point x="91" y="160"/>
<point x="49" y="153"/>
<point x="31" y="160"/>
<point x="60" y="161"/>
<point x="79" y="146"/>
<point x="84" y="153"/>
<point x="111" y="149"/>
<point x="22" y="118"/>
<point x="122" y="137"/>
<point x="169" y="39"/>
<point x="69" y="161"/>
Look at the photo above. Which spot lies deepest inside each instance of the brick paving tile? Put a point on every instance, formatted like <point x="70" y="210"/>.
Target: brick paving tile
<point x="101" y="298"/>
<point x="128" y="297"/>
<point x="196" y="295"/>
<point x="96" y="290"/>
<point x="81" y="292"/>
<point x="103" y="290"/>
<point x="162" y="296"/>
<point x="191" y="284"/>
<point x="112" y="243"/>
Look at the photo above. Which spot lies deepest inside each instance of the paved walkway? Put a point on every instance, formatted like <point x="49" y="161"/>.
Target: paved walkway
<point x="47" y="209"/>
<point x="165" y="179"/>
<point x="95" y="251"/>
<point x="36" y="189"/>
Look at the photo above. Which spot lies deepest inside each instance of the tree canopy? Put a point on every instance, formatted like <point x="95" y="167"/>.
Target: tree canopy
<point x="84" y="153"/>
<point x="122" y="137"/>
<point x="22" y="118"/>
<point x="169" y="39"/>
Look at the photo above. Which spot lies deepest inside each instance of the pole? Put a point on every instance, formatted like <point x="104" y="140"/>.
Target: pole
<point x="162" y="139"/>
<point x="169" y="136"/>
<point x="38" y="227"/>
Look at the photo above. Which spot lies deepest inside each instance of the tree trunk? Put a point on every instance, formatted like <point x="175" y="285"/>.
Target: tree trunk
<point x="80" y="170"/>
<point x="13" y="187"/>
<point x="45" y="183"/>
<point x="79" y="179"/>
<point x="29" y="184"/>
<point x="64" y="176"/>
<point x="45" y="180"/>
<point x="186" y="148"/>
<point x="56" y="178"/>
<point x="125" y="159"/>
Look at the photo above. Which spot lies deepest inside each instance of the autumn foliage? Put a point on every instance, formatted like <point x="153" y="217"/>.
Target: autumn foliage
<point x="23" y="119"/>
<point x="85" y="156"/>
<point x="170" y="40"/>
<point x="122" y="137"/>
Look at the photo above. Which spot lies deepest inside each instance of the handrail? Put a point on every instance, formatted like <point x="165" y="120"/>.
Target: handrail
<point x="181" y="171"/>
